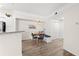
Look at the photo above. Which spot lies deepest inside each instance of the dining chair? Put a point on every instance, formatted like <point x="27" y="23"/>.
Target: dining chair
<point x="34" y="36"/>
<point x="41" y="37"/>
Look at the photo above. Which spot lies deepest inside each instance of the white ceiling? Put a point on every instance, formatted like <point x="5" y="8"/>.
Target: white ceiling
<point x="41" y="9"/>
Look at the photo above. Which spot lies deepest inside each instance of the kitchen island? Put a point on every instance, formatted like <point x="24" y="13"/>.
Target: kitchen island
<point x="11" y="43"/>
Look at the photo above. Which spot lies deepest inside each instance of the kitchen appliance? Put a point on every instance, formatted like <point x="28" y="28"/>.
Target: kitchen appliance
<point x="2" y="26"/>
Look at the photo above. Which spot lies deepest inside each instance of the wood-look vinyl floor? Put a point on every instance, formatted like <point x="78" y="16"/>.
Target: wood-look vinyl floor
<point x="41" y="48"/>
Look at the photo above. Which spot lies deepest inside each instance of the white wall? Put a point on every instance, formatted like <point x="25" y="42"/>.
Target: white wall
<point x="54" y="28"/>
<point x="71" y="31"/>
<point x="61" y="29"/>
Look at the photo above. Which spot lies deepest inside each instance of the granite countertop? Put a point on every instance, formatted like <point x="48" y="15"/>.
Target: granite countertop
<point x="11" y="32"/>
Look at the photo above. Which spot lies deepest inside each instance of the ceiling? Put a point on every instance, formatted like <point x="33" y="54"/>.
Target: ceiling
<point x="41" y="9"/>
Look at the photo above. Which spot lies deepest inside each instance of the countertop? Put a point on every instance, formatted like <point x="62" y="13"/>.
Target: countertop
<point x="11" y="32"/>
